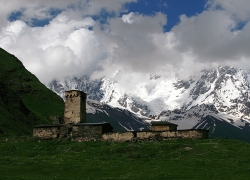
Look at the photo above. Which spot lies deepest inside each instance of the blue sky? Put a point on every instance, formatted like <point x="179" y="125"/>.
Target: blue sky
<point x="173" y="9"/>
<point x="136" y="37"/>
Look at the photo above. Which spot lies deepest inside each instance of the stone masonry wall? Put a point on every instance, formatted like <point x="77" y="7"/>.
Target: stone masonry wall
<point x="47" y="132"/>
<point x="87" y="133"/>
<point x="75" y="107"/>
<point x="118" y="136"/>
<point x="169" y="134"/>
<point x="156" y="135"/>
<point x="194" y="134"/>
<point x="91" y="132"/>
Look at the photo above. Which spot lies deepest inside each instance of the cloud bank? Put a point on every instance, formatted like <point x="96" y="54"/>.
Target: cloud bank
<point x="74" y="42"/>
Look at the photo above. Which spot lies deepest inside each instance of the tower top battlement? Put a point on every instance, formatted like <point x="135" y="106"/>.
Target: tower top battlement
<point x="75" y="93"/>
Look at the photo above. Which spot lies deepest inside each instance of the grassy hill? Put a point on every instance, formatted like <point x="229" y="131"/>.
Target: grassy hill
<point x="27" y="158"/>
<point x="24" y="100"/>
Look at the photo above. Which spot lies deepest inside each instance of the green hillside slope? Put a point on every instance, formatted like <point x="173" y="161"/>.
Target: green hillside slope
<point x="25" y="101"/>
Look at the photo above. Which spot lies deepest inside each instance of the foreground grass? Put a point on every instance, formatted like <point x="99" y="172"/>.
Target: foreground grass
<point x="27" y="158"/>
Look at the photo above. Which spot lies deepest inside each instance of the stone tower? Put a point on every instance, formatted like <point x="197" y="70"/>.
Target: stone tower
<point x="75" y="107"/>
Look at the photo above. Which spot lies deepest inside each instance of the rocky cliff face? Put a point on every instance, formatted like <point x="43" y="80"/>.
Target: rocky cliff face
<point x="227" y="88"/>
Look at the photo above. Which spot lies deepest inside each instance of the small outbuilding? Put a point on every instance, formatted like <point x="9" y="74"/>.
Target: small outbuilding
<point x="163" y="126"/>
<point x="74" y="124"/>
<point x="91" y="131"/>
<point x="50" y="131"/>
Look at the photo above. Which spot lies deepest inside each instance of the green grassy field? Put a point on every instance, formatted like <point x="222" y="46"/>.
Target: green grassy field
<point x="28" y="158"/>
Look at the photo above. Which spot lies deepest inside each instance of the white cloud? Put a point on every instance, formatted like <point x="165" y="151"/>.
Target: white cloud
<point x="95" y="6"/>
<point x="40" y="9"/>
<point x="64" y="47"/>
<point x="239" y="10"/>
<point x="133" y="43"/>
<point x="204" y="34"/>
<point x="212" y="36"/>
<point x="30" y="8"/>
<point x="127" y="18"/>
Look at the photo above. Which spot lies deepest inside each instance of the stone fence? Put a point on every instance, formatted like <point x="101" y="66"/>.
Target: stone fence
<point x="153" y="135"/>
<point x="104" y="131"/>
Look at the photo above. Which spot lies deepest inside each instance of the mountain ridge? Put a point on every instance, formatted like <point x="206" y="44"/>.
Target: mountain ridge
<point x="223" y="92"/>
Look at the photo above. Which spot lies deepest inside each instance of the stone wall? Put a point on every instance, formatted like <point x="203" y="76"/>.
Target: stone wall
<point x="83" y="131"/>
<point x="87" y="133"/>
<point x="145" y="135"/>
<point x="193" y="134"/>
<point x="118" y="136"/>
<point x="95" y="132"/>
<point x="169" y="134"/>
<point x="47" y="132"/>
<point x="156" y="135"/>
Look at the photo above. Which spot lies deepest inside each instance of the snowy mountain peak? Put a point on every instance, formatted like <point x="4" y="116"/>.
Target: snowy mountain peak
<point x="219" y="92"/>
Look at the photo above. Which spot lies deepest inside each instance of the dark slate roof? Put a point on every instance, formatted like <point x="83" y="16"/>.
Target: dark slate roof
<point x="193" y="130"/>
<point x="91" y="124"/>
<point x="162" y="123"/>
<point x="48" y="125"/>
<point x="75" y="90"/>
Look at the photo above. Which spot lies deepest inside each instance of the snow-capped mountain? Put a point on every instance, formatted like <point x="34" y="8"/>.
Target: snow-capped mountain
<point x="121" y="120"/>
<point x="222" y="93"/>
<point x="92" y="88"/>
<point x="219" y="124"/>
